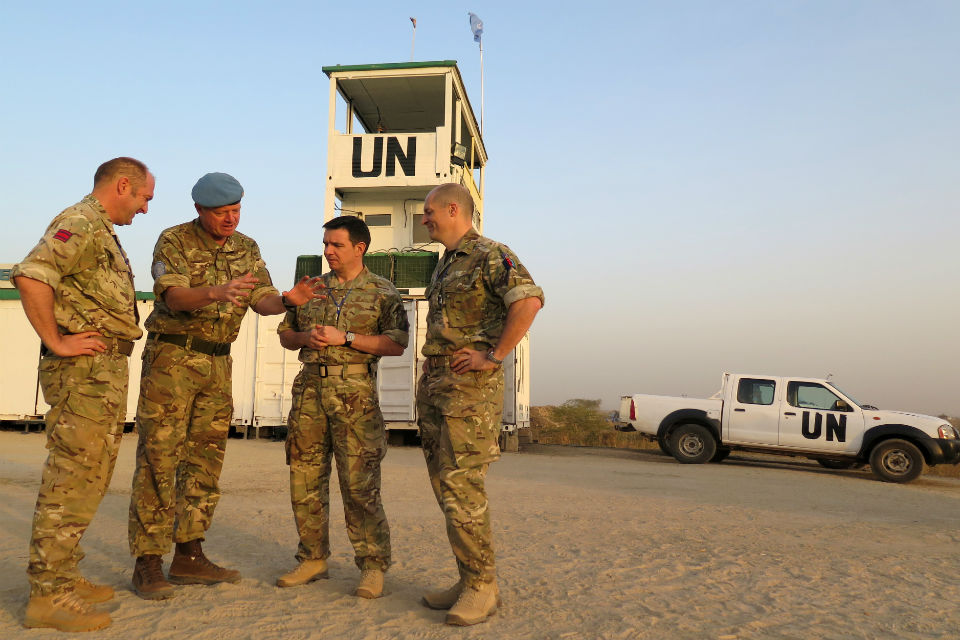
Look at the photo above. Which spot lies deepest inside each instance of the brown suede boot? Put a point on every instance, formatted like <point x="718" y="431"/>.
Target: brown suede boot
<point x="190" y="566"/>
<point x="65" y="612"/>
<point x="148" y="580"/>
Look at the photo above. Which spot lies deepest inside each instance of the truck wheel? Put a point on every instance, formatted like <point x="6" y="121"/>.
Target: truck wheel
<point x="896" y="461"/>
<point x="692" y="444"/>
<point x="664" y="446"/>
<point x="836" y="464"/>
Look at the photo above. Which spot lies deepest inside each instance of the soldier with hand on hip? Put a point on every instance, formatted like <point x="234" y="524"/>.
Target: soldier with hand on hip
<point x="77" y="291"/>
<point x="482" y="302"/>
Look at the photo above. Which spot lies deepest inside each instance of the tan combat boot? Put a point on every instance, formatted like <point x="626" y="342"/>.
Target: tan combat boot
<point x="474" y="605"/>
<point x="308" y="571"/>
<point x="371" y="584"/>
<point x="65" y="612"/>
<point x="443" y="599"/>
<point x="92" y="593"/>
<point x="148" y="580"/>
<point x="190" y="566"/>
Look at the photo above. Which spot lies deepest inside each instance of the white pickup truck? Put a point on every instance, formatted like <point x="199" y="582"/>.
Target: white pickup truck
<point x="792" y="416"/>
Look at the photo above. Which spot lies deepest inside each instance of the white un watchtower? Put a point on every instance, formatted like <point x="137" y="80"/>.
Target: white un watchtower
<point x="396" y="131"/>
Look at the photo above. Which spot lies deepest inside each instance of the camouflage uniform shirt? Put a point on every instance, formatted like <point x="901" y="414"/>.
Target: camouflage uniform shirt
<point x="80" y="257"/>
<point x="186" y="256"/>
<point x="470" y="291"/>
<point x="367" y="305"/>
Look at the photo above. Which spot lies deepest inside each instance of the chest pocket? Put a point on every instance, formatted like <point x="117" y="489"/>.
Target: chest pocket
<point x="463" y="300"/>
<point x="361" y="312"/>
<point x="108" y="282"/>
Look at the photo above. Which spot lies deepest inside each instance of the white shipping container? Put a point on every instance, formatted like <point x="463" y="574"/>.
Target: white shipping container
<point x="263" y="373"/>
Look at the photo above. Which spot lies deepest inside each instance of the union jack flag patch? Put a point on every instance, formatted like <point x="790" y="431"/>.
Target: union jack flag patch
<point x="63" y="235"/>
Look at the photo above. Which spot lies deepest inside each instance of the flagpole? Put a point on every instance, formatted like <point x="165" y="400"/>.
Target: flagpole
<point x="476" y="25"/>
<point x="481" y="87"/>
<point x="413" y="42"/>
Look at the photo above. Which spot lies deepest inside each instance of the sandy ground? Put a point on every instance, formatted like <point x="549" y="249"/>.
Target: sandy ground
<point x="591" y="544"/>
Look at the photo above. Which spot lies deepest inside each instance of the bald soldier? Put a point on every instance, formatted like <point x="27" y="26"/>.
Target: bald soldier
<point x="206" y="275"/>
<point x="482" y="302"/>
<point x="77" y="291"/>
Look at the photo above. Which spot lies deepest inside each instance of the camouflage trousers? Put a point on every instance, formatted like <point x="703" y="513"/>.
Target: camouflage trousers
<point x="88" y="402"/>
<point x="338" y="417"/>
<point x="459" y="418"/>
<point x="183" y="419"/>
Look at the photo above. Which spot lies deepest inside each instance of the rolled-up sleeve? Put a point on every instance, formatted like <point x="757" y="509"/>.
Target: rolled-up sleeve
<point x="58" y="253"/>
<point x="508" y="278"/>
<point x="393" y="320"/>
<point x="289" y="322"/>
<point x="169" y="267"/>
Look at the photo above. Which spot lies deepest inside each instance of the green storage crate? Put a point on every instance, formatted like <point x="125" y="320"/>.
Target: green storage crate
<point x="380" y="264"/>
<point x="414" y="268"/>
<point x="308" y="266"/>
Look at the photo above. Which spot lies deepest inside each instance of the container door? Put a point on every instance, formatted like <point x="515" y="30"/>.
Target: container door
<point x="276" y="369"/>
<point x="243" y="351"/>
<point x="19" y="385"/>
<point x="396" y="375"/>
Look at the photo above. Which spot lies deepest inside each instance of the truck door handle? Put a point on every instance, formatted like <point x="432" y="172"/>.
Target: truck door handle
<point x="739" y="409"/>
<point x="789" y="413"/>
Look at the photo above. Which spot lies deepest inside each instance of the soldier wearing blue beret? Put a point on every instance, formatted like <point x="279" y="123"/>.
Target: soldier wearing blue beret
<point x="205" y="277"/>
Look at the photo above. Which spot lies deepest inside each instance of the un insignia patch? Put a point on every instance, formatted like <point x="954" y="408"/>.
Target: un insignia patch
<point x="158" y="269"/>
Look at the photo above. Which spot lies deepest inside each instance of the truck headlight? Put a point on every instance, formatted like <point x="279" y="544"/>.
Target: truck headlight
<point x="948" y="432"/>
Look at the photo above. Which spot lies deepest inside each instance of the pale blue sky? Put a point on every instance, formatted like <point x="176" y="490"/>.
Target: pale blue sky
<point x="755" y="186"/>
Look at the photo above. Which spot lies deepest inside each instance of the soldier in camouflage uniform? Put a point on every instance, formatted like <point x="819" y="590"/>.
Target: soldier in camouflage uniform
<point x="205" y="277"/>
<point x="77" y="291"/>
<point x="482" y="302"/>
<point x="335" y="409"/>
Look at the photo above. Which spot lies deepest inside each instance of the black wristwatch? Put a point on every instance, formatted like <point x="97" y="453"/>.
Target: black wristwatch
<point x="289" y="306"/>
<point x="348" y="338"/>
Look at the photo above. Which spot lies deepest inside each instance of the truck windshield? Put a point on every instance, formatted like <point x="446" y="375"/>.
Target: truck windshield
<point x="848" y="396"/>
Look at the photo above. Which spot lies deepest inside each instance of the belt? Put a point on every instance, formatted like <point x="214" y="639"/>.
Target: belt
<point x="192" y="343"/>
<point x="342" y="370"/>
<point x="114" y="345"/>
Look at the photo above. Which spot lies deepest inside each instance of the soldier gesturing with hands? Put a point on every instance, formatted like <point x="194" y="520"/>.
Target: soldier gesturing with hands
<point x="206" y="276"/>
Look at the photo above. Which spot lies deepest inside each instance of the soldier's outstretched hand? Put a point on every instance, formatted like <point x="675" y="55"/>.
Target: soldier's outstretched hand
<point x="236" y="289"/>
<point x="305" y="290"/>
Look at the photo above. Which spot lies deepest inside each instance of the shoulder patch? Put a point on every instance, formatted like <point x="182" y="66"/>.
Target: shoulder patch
<point x="63" y="235"/>
<point x="158" y="269"/>
<point x="507" y="261"/>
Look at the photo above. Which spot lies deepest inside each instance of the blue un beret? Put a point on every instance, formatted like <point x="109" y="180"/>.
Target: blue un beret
<point x="217" y="190"/>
